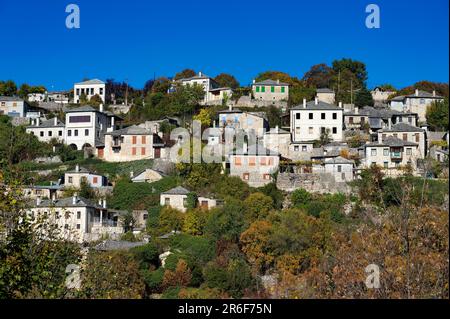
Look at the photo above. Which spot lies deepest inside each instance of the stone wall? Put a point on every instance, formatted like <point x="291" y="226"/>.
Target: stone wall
<point x="314" y="183"/>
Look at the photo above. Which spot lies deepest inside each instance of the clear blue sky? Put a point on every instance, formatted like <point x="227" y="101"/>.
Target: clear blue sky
<point x="135" y="38"/>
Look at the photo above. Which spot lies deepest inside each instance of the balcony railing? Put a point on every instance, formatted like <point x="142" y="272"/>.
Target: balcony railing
<point x="396" y="155"/>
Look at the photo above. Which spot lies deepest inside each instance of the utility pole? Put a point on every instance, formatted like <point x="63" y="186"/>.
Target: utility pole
<point x="126" y="92"/>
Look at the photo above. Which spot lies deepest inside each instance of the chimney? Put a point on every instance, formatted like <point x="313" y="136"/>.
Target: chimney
<point x="200" y="73"/>
<point x="276" y="129"/>
<point x="214" y="124"/>
<point x="278" y="81"/>
<point x="101" y="107"/>
<point x="55" y="121"/>
<point x="74" y="198"/>
<point x="316" y="101"/>
<point x="38" y="201"/>
<point x="230" y="107"/>
<point x="77" y="168"/>
<point x="434" y="93"/>
<point x="417" y="92"/>
<point x="356" y="110"/>
<point x="54" y="149"/>
<point x="254" y="81"/>
<point x="304" y="103"/>
<point x="38" y="121"/>
<point x="340" y="105"/>
<point x="131" y="174"/>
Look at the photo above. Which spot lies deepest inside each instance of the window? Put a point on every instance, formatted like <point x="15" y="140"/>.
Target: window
<point x="282" y="89"/>
<point x="422" y="101"/>
<point x="145" y="216"/>
<point x="133" y="151"/>
<point x="272" y="89"/>
<point x="95" y="180"/>
<point x="69" y="133"/>
<point x="134" y="139"/>
<point x="400" y="119"/>
<point x="262" y="161"/>
<point x="144" y="139"/>
<point x="78" y="215"/>
<point x="266" y="177"/>
<point x="143" y="151"/>
<point x="311" y="116"/>
<point x="334" y="130"/>
<point x="385" y="152"/>
<point x="410" y="120"/>
<point x="310" y="130"/>
<point x="297" y="116"/>
<point x="78" y="91"/>
<point x="395" y="135"/>
<point x="86" y="132"/>
<point x="101" y="91"/>
<point x="373" y="152"/>
<point x="75" y="132"/>
<point x="59" y="133"/>
<point x="322" y="116"/>
<point x="66" y="226"/>
<point x="78" y="226"/>
<point x="257" y="89"/>
<point x="70" y="179"/>
<point x="50" y="133"/>
<point x="362" y="119"/>
<point x="92" y="91"/>
<point x="417" y="138"/>
<point x="270" y="161"/>
<point x="304" y="148"/>
<point x="334" y="116"/>
<point x="350" y="120"/>
<point x="385" y="164"/>
<point x="167" y="201"/>
<point x="296" y="148"/>
<point x="246" y="176"/>
<point x="405" y="136"/>
<point x="251" y="161"/>
<point x="42" y="133"/>
<point x="263" y="89"/>
<point x="409" y="151"/>
<point x="383" y="137"/>
<point x="237" y="161"/>
<point x="297" y="130"/>
<point x="339" y="168"/>
<point x="80" y="119"/>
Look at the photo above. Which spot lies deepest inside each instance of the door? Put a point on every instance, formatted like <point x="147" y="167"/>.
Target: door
<point x="157" y="152"/>
<point x="100" y="152"/>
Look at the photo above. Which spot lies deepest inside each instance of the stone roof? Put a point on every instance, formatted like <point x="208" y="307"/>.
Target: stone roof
<point x="80" y="170"/>
<point x="324" y="90"/>
<point x="402" y="127"/>
<point x="435" y="136"/>
<point x="10" y="98"/>
<point x="66" y="202"/>
<point x="84" y="108"/>
<point x="117" y="245"/>
<point x="311" y="105"/>
<point x="48" y="123"/>
<point x="179" y="190"/>
<point x="254" y="150"/>
<point x="339" y="160"/>
<point x="270" y="82"/>
<point x="370" y="111"/>
<point x="391" y="141"/>
<point x="88" y="82"/>
<point x="131" y="130"/>
<point x="423" y="94"/>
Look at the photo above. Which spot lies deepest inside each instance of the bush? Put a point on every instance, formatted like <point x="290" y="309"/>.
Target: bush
<point x="154" y="279"/>
<point x="300" y="197"/>
<point x="147" y="255"/>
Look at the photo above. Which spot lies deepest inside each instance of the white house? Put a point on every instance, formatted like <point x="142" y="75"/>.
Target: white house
<point x="89" y="89"/>
<point x="213" y="91"/>
<point x="36" y="97"/>
<point x="310" y="120"/>
<point x="78" y="219"/>
<point x="415" y="103"/>
<point x="13" y="106"/>
<point x="391" y="154"/>
<point x="147" y="175"/>
<point x="270" y="90"/>
<point x="73" y="178"/>
<point x="86" y="126"/>
<point x="177" y="198"/>
<point x="58" y="97"/>
<point x="341" y="168"/>
<point x="46" y="130"/>
<point x="380" y="96"/>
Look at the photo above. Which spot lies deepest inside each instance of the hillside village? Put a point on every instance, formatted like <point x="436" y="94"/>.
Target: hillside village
<point x="98" y="161"/>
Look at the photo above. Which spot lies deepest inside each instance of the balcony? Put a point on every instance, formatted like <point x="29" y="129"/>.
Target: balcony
<point x="116" y="144"/>
<point x="396" y="156"/>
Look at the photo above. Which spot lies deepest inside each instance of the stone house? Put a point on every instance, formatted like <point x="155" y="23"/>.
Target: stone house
<point x="131" y="144"/>
<point x="391" y="154"/>
<point x="270" y="90"/>
<point x="13" y="106"/>
<point x="177" y="198"/>
<point x="254" y="165"/>
<point x="380" y="96"/>
<point x="408" y="133"/>
<point x="415" y="103"/>
<point x="326" y="95"/>
<point x="249" y="122"/>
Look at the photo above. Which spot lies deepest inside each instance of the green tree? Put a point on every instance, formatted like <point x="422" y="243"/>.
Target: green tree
<point x="227" y="80"/>
<point x="319" y="76"/>
<point x="186" y="73"/>
<point x="95" y="100"/>
<point x="300" y="197"/>
<point x="170" y="219"/>
<point x="363" y="98"/>
<point x="257" y="206"/>
<point x="437" y="115"/>
<point x="8" y="88"/>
